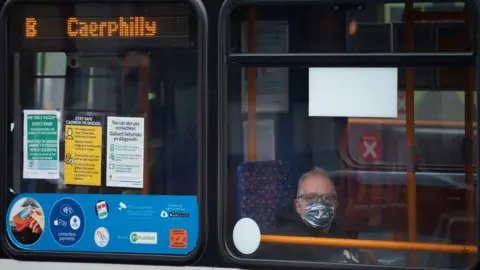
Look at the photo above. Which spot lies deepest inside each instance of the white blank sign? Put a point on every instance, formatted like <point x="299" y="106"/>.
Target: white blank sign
<point x="353" y="92"/>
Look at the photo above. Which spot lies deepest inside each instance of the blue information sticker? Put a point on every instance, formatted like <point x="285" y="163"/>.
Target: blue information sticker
<point x="67" y="222"/>
<point x="149" y="224"/>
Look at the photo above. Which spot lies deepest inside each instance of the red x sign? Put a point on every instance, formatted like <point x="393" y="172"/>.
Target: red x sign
<point x="370" y="147"/>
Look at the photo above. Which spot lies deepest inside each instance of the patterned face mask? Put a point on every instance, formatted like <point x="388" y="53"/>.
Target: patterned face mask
<point x="319" y="214"/>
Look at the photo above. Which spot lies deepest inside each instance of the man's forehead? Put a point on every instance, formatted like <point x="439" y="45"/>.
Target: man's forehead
<point x="317" y="183"/>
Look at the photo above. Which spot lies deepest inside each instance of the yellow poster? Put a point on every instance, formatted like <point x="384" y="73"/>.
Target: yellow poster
<point x="83" y="151"/>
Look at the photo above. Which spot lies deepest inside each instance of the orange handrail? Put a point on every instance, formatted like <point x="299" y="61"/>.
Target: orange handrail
<point x="373" y="244"/>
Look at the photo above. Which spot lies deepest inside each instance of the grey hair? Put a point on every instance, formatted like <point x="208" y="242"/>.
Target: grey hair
<point x="316" y="171"/>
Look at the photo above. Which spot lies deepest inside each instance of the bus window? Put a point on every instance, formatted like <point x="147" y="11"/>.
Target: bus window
<point x="319" y="163"/>
<point x="105" y="103"/>
<point x="439" y="98"/>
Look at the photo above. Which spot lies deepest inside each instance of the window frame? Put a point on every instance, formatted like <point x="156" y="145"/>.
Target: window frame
<point x="290" y="60"/>
<point x="6" y="166"/>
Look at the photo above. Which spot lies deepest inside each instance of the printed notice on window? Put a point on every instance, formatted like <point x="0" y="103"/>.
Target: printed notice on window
<point x="83" y="150"/>
<point x="125" y="151"/>
<point x="41" y="144"/>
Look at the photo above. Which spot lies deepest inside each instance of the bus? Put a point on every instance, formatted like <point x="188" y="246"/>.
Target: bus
<point x="239" y="134"/>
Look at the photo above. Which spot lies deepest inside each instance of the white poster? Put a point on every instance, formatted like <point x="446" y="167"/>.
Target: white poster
<point x="272" y="83"/>
<point x="265" y="139"/>
<point x="353" y="92"/>
<point x="41" y="129"/>
<point x="125" y="151"/>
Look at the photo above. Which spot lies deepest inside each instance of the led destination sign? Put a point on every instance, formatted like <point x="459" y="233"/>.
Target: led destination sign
<point x="120" y="27"/>
<point x="131" y="27"/>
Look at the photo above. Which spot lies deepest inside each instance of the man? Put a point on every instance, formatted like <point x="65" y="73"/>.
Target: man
<point x="312" y="215"/>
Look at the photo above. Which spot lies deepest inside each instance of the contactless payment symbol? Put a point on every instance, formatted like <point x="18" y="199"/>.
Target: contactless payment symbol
<point x="67" y="222"/>
<point x="66" y="210"/>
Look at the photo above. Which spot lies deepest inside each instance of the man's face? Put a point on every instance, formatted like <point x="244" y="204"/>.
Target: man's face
<point x="312" y="189"/>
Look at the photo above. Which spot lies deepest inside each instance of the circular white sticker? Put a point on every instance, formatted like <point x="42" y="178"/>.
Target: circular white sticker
<point x="102" y="237"/>
<point x="75" y="222"/>
<point x="246" y="236"/>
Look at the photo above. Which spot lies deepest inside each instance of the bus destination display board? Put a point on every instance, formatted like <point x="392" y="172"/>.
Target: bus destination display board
<point x="101" y="28"/>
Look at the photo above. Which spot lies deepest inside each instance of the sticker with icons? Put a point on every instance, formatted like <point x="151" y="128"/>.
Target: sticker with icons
<point x="113" y="223"/>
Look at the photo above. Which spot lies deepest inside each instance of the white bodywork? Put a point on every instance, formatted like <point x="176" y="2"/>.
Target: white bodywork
<point x="20" y="265"/>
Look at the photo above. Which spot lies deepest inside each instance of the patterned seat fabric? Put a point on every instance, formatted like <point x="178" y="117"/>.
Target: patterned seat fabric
<point x="264" y="187"/>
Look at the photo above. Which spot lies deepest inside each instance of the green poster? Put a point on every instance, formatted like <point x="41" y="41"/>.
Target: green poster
<point x="41" y="144"/>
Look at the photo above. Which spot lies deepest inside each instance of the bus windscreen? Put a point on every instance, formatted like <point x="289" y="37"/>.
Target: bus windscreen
<point x="97" y="92"/>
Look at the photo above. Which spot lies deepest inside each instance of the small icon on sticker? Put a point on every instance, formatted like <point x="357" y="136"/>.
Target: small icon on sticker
<point x="68" y="159"/>
<point x="122" y="206"/>
<point x="102" y="237"/>
<point x="75" y="222"/>
<point x="66" y="210"/>
<point x="101" y="209"/>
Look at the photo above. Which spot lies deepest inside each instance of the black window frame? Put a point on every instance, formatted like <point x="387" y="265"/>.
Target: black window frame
<point x="6" y="150"/>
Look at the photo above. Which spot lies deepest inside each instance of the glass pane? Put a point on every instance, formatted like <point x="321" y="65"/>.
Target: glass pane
<point x="440" y="130"/>
<point x="370" y="182"/>
<point x="108" y="118"/>
<point x="365" y="28"/>
<point x="47" y="64"/>
<point x="94" y="90"/>
<point x="50" y="93"/>
<point x="297" y="174"/>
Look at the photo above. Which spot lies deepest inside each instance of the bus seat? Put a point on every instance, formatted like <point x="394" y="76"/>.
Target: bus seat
<point x="445" y="233"/>
<point x="263" y="188"/>
<point x="356" y="194"/>
<point x="384" y="256"/>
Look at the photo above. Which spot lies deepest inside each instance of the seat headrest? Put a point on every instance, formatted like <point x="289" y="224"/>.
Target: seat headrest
<point x="263" y="189"/>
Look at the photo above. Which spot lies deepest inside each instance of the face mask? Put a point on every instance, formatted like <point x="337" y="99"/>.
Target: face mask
<point x="319" y="214"/>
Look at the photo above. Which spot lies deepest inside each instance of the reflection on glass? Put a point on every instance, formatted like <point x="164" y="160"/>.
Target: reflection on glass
<point x="346" y="178"/>
<point x="116" y="84"/>
<point x="364" y="159"/>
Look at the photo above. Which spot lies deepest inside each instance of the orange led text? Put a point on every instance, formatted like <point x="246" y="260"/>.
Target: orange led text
<point x="120" y="27"/>
<point x="30" y="27"/>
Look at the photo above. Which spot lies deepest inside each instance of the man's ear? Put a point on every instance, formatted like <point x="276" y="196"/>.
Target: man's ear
<point x="296" y="204"/>
<point x="335" y="207"/>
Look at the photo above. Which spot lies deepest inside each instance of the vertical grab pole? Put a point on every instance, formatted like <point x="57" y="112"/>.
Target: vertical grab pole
<point x="410" y="122"/>
<point x="469" y="162"/>
<point x="469" y="168"/>
<point x="252" y="84"/>
<point x="144" y="107"/>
